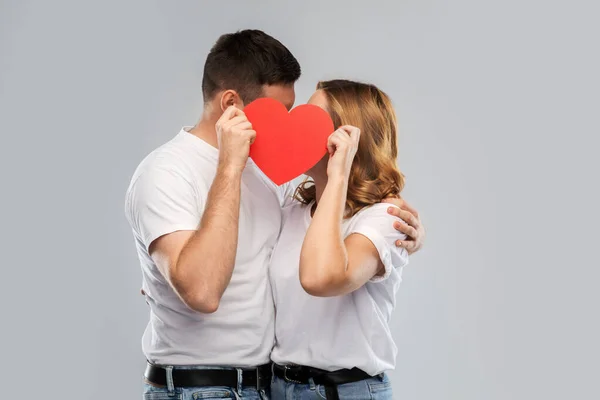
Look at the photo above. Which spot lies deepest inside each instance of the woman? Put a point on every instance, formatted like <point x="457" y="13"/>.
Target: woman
<point x="332" y="333"/>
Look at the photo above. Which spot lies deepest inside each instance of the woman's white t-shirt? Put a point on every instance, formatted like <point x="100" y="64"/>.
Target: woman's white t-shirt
<point x="347" y="331"/>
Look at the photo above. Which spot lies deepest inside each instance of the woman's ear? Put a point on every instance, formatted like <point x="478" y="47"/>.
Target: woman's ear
<point x="231" y="98"/>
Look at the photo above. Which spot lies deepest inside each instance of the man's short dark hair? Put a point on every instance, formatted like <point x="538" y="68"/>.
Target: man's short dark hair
<point x="245" y="61"/>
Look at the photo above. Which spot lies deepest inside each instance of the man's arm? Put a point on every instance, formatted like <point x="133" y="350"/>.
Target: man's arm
<point x="412" y="228"/>
<point x="199" y="264"/>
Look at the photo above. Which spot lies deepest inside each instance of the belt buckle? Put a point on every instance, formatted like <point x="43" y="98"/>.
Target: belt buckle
<point x="285" y="377"/>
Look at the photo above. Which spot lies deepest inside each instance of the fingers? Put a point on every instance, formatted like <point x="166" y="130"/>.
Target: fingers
<point x="344" y="136"/>
<point x="244" y="125"/>
<point x="230" y="113"/>
<point x="405" y="216"/>
<point x="355" y="136"/>
<point x="410" y="246"/>
<point x="234" y="119"/>
<point x="348" y="129"/>
<point x="353" y="132"/>
<point x="336" y="139"/>
<point x="331" y="145"/>
<point x="237" y="121"/>
<point x="400" y="202"/>
<point x="410" y="226"/>
<point x="406" y="229"/>
<point x="397" y="201"/>
<point x="410" y="209"/>
<point x="251" y="135"/>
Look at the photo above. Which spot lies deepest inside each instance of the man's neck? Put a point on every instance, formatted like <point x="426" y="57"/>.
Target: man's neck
<point x="205" y="130"/>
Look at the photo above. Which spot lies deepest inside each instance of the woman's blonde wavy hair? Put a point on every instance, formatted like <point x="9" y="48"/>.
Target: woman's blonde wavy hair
<point x="375" y="174"/>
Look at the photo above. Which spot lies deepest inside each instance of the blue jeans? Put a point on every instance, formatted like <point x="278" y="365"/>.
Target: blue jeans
<point x="372" y="388"/>
<point x="152" y="392"/>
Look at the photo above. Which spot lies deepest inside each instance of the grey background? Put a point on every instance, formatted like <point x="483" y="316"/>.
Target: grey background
<point x="498" y="106"/>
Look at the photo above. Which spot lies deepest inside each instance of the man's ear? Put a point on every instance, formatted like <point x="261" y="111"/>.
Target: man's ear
<point x="231" y="98"/>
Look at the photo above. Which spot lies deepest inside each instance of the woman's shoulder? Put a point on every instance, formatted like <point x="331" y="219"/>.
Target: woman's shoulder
<point x="377" y="225"/>
<point x="377" y="211"/>
<point x="374" y="219"/>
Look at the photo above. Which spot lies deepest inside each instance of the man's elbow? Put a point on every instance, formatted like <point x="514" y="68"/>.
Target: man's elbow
<point x="203" y="304"/>
<point x="198" y="299"/>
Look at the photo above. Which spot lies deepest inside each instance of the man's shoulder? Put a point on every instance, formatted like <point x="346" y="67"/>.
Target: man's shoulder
<point x="171" y="168"/>
<point x="178" y="158"/>
<point x="158" y="163"/>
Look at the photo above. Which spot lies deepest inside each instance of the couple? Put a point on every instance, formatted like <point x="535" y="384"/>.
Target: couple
<point x="222" y="248"/>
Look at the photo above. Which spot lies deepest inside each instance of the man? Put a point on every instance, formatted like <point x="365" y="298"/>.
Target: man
<point x="205" y="220"/>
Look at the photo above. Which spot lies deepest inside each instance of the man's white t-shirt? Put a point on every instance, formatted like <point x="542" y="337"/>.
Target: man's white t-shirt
<point x="168" y="193"/>
<point x="347" y="331"/>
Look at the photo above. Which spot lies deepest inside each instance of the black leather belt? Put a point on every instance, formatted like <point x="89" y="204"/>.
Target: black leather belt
<point x="259" y="378"/>
<point x="330" y="380"/>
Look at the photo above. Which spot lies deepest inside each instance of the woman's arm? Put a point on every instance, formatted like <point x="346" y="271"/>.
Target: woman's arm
<point x="330" y="265"/>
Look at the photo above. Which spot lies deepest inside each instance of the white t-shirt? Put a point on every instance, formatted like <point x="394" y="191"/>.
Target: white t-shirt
<point x="168" y="192"/>
<point x="347" y="331"/>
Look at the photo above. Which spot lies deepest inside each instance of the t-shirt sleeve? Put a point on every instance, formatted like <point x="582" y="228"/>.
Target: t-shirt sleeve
<point x="161" y="202"/>
<point x="378" y="226"/>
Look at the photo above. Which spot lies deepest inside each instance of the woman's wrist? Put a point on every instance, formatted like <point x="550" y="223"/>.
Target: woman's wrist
<point x="335" y="194"/>
<point x="337" y="180"/>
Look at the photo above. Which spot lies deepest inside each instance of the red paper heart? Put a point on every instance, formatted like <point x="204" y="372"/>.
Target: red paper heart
<point x="287" y="144"/>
